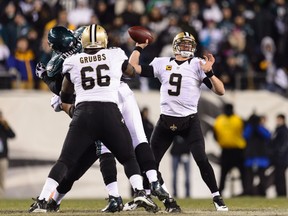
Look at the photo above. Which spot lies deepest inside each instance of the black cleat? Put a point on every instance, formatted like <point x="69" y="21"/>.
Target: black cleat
<point x="158" y="191"/>
<point x="39" y="206"/>
<point x="219" y="204"/>
<point x="114" y="204"/>
<point x="142" y="200"/>
<point x="171" y="206"/>
<point x="52" y="206"/>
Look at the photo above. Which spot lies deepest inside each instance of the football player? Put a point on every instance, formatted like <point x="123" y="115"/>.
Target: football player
<point x="130" y="110"/>
<point x="94" y="76"/>
<point x="65" y="43"/>
<point x="181" y="78"/>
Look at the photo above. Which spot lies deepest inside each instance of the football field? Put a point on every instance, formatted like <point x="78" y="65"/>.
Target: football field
<point x="194" y="207"/>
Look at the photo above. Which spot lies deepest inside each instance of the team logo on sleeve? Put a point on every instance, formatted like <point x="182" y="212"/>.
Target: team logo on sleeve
<point x="168" y="67"/>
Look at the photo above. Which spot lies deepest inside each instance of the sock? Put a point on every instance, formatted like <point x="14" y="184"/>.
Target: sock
<point x="136" y="182"/>
<point x="112" y="189"/>
<point x="48" y="188"/>
<point x="58" y="197"/>
<point x="215" y="194"/>
<point x="152" y="175"/>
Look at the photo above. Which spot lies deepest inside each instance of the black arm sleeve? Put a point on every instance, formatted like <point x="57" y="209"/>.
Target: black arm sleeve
<point x="147" y="71"/>
<point x="54" y="83"/>
<point x="207" y="82"/>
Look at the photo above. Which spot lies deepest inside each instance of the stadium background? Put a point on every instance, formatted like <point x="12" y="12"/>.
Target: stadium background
<point x="40" y="131"/>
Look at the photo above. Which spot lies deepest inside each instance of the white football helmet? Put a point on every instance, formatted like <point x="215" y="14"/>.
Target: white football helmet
<point x="188" y="43"/>
<point x="94" y="36"/>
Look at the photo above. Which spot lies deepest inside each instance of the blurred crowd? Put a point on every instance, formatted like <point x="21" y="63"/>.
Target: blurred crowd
<point x="249" y="38"/>
<point x="260" y="155"/>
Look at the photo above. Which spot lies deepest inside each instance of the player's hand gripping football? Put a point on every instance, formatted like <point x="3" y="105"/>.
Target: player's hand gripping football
<point x="40" y="70"/>
<point x="209" y="61"/>
<point x="143" y="45"/>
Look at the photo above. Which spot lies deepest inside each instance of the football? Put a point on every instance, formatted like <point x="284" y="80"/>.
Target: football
<point x="139" y="34"/>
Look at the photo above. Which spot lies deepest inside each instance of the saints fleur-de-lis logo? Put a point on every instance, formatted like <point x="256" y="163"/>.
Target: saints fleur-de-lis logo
<point x="173" y="127"/>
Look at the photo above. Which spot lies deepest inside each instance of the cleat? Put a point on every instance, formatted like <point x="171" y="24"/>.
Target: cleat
<point x="158" y="191"/>
<point x="52" y="206"/>
<point x="114" y="204"/>
<point x="171" y="206"/>
<point x="142" y="200"/>
<point x="39" y="206"/>
<point x="219" y="204"/>
<point x="153" y="210"/>
<point x="130" y="206"/>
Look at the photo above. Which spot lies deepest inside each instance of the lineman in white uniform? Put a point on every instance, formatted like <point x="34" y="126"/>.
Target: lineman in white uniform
<point x="129" y="107"/>
<point x="181" y="78"/>
<point x="95" y="77"/>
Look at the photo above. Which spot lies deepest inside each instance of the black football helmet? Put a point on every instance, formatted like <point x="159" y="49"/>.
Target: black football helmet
<point x="61" y="39"/>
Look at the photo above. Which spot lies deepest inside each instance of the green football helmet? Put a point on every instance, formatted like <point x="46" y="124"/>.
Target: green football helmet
<point x="61" y="39"/>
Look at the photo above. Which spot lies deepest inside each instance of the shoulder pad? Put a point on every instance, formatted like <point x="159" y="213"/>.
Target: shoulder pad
<point x="54" y="66"/>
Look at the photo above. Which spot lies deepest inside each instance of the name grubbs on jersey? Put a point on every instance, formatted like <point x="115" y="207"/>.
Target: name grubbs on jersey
<point x="92" y="58"/>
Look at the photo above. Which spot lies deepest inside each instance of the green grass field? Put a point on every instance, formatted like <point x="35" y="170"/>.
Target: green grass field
<point x="237" y="206"/>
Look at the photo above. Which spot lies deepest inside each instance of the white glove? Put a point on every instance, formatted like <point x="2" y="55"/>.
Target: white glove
<point x="40" y="70"/>
<point x="56" y="103"/>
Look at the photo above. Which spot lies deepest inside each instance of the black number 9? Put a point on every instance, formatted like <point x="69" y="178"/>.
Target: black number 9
<point x="175" y="80"/>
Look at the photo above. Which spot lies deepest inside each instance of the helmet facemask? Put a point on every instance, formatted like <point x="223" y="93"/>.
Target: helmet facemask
<point x="184" y="44"/>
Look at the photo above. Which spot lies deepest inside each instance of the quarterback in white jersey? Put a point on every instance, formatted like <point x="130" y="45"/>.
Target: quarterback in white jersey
<point x="180" y="89"/>
<point x="181" y="78"/>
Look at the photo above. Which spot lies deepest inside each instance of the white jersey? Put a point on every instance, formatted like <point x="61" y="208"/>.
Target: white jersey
<point x="180" y="85"/>
<point x="96" y="77"/>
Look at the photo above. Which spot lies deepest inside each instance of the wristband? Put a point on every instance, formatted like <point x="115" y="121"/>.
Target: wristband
<point x="209" y="74"/>
<point x="139" y="49"/>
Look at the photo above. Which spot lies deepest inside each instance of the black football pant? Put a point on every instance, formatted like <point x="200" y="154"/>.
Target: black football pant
<point x="94" y="121"/>
<point x="107" y="168"/>
<point x="189" y="128"/>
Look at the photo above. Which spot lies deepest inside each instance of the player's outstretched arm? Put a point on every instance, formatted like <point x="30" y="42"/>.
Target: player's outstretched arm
<point x="135" y="55"/>
<point x="217" y="84"/>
